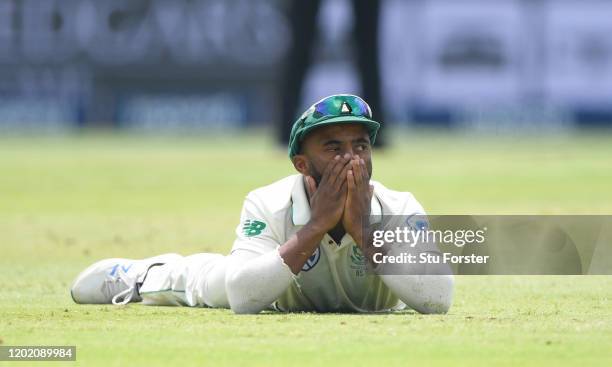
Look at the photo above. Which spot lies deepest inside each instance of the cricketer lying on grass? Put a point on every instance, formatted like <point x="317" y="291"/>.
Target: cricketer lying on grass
<point x="300" y="245"/>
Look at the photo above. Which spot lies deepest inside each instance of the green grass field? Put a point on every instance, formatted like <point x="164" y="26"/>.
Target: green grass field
<point x="66" y="202"/>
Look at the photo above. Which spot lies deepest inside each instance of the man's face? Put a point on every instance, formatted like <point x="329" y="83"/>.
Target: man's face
<point x="322" y="144"/>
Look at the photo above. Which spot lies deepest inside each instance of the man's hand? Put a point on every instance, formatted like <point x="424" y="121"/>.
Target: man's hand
<point x="326" y="205"/>
<point x="358" y="200"/>
<point x="327" y="201"/>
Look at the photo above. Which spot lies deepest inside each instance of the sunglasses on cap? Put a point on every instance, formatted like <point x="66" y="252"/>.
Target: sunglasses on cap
<point x="339" y="105"/>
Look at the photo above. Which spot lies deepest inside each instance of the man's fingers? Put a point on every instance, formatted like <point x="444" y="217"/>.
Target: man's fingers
<point x="328" y="169"/>
<point x="344" y="192"/>
<point x="344" y="186"/>
<point x="358" y="176"/>
<point x="341" y="178"/>
<point x="350" y="180"/>
<point x="335" y="177"/>
<point x="364" y="171"/>
<point x="330" y="175"/>
<point x="363" y="181"/>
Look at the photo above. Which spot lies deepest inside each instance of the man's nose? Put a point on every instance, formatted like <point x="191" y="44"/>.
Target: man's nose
<point x="348" y="153"/>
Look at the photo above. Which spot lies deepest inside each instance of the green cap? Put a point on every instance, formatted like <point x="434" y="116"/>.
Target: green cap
<point x="335" y="109"/>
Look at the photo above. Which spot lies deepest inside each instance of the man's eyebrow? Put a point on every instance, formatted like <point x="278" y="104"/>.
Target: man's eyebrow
<point x="361" y="140"/>
<point x="331" y="142"/>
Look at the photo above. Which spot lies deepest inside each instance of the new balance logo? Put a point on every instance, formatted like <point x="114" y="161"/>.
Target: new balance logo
<point x="253" y="227"/>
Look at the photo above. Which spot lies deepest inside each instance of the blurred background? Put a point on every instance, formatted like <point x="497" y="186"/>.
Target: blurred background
<point x="134" y="128"/>
<point x="193" y="65"/>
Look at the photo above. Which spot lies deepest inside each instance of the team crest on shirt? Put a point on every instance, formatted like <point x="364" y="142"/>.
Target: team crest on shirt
<point x="357" y="257"/>
<point x="312" y="260"/>
<point x="417" y="222"/>
<point x="358" y="261"/>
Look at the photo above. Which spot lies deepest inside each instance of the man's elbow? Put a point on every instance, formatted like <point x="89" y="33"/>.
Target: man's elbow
<point x="244" y="308"/>
<point x="254" y="285"/>
<point x="440" y="289"/>
<point x="240" y="295"/>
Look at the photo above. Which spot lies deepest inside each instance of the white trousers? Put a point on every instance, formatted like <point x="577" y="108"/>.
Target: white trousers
<point x="196" y="280"/>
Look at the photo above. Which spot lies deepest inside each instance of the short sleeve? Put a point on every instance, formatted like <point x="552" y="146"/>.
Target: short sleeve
<point x="254" y="232"/>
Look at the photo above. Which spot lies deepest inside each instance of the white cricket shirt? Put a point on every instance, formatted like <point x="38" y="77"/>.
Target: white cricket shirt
<point x="334" y="279"/>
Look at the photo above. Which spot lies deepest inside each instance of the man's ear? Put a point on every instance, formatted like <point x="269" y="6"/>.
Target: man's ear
<point x="301" y="164"/>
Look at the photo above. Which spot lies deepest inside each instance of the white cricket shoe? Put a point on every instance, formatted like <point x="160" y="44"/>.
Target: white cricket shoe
<point x="114" y="280"/>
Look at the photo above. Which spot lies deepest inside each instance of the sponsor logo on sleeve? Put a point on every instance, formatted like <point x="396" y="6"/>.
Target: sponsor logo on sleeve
<point x="253" y="227"/>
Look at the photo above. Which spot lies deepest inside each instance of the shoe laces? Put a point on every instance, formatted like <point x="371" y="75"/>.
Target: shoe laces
<point x="115" y="286"/>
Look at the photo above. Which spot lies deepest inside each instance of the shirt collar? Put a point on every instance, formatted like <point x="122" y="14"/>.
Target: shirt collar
<point x="301" y="207"/>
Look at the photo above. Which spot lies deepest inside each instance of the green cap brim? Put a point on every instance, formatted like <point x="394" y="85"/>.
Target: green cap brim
<point x="371" y="125"/>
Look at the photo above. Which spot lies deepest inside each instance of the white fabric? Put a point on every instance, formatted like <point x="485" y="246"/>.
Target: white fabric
<point x="423" y="293"/>
<point x="334" y="279"/>
<point x="254" y="284"/>
<point x="196" y="280"/>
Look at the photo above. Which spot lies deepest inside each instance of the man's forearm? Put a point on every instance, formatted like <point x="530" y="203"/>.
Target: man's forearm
<point x="423" y="293"/>
<point x="253" y="283"/>
<point x="296" y="251"/>
<point x="426" y="289"/>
